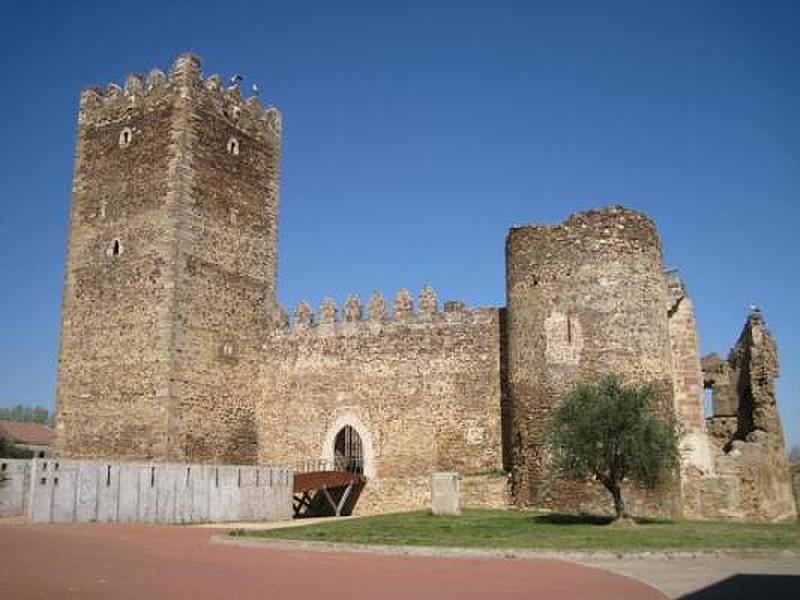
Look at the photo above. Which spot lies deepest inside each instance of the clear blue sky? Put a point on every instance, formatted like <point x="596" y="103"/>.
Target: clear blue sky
<point x="416" y="133"/>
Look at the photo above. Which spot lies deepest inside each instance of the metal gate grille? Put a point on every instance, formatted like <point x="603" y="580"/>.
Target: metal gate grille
<point x="348" y="452"/>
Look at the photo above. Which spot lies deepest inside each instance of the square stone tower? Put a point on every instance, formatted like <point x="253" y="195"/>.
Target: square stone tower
<point x="170" y="275"/>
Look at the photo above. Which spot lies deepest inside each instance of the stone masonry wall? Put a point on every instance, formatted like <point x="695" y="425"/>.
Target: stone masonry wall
<point x="170" y="282"/>
<point x="113" y="372"/>
<point x="173" y="347"/>
<point x="225" y="267"/>
<point x="421" y="389"/>
<point x="751" y="479"/>
<point x="586" y="298"/>
<point x="696" y="448"/>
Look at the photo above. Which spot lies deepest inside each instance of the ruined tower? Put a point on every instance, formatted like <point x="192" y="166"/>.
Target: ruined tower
<point x="752" y="480"/>
<point x="170" y="274"/>
<point x="585" y="298"/>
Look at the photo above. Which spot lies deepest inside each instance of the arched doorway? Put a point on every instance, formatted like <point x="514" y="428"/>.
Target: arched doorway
<point x="348" y="450"/>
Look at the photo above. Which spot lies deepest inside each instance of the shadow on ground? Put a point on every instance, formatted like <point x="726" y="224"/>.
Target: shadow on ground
<point x="561" y="519"/>
<point x="741" y="587"/>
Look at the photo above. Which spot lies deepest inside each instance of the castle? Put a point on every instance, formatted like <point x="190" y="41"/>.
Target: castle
<point x="174" y="347"/>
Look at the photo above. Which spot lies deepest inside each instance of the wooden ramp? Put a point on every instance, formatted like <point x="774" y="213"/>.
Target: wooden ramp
<point x="326" y="493"/>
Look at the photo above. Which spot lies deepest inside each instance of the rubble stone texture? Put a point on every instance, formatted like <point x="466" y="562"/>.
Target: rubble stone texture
<point x="751" y="478"/>
<point x="174" y="348"/>
<point x="586" y="299"/>
<point x="422" y="390"/>
<point x="170" y="270"/>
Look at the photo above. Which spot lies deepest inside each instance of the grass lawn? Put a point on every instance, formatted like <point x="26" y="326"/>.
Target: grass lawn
<point x="479" y="528"/>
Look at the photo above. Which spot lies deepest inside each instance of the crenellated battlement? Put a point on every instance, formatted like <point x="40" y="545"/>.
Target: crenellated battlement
<point x="174" y="347"/>
<point x="184" y="81"/>
<point x="174" y="224"/>
<point x="352" y="317"/>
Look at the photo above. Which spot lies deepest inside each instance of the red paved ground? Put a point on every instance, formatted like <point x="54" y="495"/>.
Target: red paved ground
<point x="154" y="562"/>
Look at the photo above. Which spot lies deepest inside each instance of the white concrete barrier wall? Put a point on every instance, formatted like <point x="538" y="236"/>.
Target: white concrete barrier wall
<point x="14" y="491"/>
<point x="118" y="492"/>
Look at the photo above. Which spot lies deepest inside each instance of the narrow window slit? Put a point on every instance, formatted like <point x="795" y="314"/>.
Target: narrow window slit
<point x="115" y="249"/>
<point x="125" y="137"/>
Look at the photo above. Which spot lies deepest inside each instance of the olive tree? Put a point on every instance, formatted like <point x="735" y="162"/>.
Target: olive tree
<point x="612" y="432"/>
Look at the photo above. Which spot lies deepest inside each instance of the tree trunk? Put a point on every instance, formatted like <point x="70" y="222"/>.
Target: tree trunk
<point x="619" y="503"/>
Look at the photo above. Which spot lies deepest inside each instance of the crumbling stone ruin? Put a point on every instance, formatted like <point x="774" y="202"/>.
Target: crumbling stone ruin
<point x="174" y="347"/>
<point x="752" y="477"/>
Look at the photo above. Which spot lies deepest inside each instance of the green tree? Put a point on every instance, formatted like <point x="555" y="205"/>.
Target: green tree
<point x="26" y="414"/>
<point x="9" y="450"/>
<point x="612" y="432"/>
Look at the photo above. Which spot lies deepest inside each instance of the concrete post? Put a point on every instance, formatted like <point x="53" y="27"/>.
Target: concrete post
<point x="445" y="493"/>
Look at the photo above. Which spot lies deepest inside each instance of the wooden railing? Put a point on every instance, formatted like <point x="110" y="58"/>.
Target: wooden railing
<point x="340" y="463"/>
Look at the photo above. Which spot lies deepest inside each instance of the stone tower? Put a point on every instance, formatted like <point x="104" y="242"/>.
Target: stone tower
<point x="170" y="275"/>
<point x="586" y="298"/>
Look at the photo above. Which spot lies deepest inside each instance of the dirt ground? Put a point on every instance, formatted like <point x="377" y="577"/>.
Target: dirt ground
<point x="147" y="561"/>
